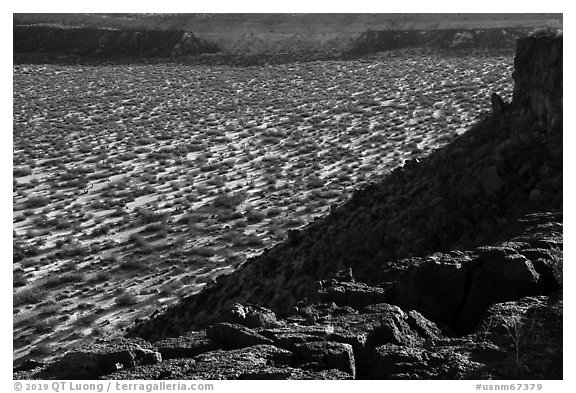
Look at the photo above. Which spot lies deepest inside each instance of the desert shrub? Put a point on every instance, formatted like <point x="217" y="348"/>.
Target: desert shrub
<point x="270" y="140"/>
<point x="255" y="216"/>
<point x="127" y="156"/>
<point x="126" y="299"/>
<point x="176" y="185"/>
<point x="35" y="201"/>
<point x="86" y="320"/>
<point x="229" y="201"/>
<point x="73" y="250"/>
<point x="21" y="171"/>
<point x="53" y="282"/>
<point x="156" y="227"/>
<point x="69" y="266"/>
<point x="253" y="240"/>
<point x="22" y="251"/>
<point x="19" y="279"/>
<point x="133" y="264"/>
<point x="344" y="177"/>
<point x="44" y="325"/>
<point x="84" y="148"/>
<point x="273" y="211"/>
<point x="216" y="181"/>
<point x="314" y="182"/>
<point x="100" y="277"/>
<point x="202" y="251"/>
<point x="28" y="296"/>
<point x="41" y="349"/>
<point x="149" y="216"/>
<point x="101" y="230"/>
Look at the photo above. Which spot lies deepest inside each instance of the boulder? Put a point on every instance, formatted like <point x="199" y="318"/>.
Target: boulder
<point x="425" y="328"/>
<point x="417" y="288"/>
<point x="233" y="336"/>
<point x="289" y="338"/>
<point x="101" y="357"/>
<point x="393" y="328"/>
<point x="250" y="315"/>
<point x="313" y="313"/>
<point x="392" y="361"/>
<point x="500" y="274"/>
<point x="352" y="294"/>
<point x="254" y="362"/>
<point x="167" y="369"/>
<point x="327" y="355"/>
<point x="186" y="346"/>
<point x="498" y="105"/>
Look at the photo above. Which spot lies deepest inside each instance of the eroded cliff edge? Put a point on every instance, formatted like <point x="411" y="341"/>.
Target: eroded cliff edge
<point x="450" y="267"/>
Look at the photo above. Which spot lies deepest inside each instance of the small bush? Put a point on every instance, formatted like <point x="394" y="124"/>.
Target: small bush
<point x="229" y="201"/>
<point x="67" y="278"/>
<point x="21" y="171"/>
<point x="19" y="280"/>
<point x="35" y="201"/>
<point x="126" y="299"/>
<point x="255" y="216"/>
<point x="28" y="296"/>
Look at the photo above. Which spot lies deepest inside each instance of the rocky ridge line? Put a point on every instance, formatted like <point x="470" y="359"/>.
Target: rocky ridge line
<point x="33" y="44"/>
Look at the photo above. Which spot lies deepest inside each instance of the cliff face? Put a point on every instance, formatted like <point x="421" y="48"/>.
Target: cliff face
<point x="538" y="79"/>
<point x="373" y="41"/>
<point x="107" y="43"/>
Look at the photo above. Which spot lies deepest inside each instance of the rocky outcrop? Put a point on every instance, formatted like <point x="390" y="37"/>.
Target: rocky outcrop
<point x="498" y="105"/>
<point x="516" y="339"/>
<point x="250" y="315"/>
<point x="473" y="281"/>
<point x="102" y="357"/>
<point x="231" y="336"/>
<point x="187" y="346"/>
<point x="538" y="79"/>
<point x="375" y="41"/>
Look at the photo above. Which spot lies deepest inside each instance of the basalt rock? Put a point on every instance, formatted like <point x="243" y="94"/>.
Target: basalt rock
<point x="498" y="105"/>
<point x="538" y="79"/>
<point x="327" y="355"/>
<point x="353" y="294"/>
<point x="168" y="369"/>
<point x="98" y="358"/>
<point x="397" y="362"/>
<point x="250" y="315"/>
<point x="232" y="336"/>
<point x="187" y="346"/>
